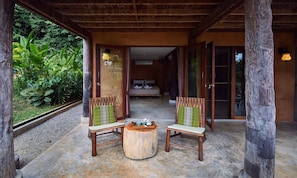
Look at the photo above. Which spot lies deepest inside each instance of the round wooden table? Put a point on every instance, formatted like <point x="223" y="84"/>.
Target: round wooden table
<point x="140" y="142"/>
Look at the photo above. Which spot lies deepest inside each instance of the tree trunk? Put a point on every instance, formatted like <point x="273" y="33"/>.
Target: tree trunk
<point x="260" y="101"/>
<point x="140" y="144"/>
<point x="87" y="80"/>
<point x="7" y="164"/>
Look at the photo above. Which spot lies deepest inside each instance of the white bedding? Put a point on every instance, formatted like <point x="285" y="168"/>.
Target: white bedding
<point x="145" y="91"/>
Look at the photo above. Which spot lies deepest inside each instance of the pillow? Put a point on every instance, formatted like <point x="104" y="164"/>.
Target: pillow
<point x="188" y="116"/>
<point x="139" y="83"/>
<point x="103" y="115"/>
<point x="149" y="82"/>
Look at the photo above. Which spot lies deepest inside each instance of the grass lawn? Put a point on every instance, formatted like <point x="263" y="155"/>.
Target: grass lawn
<point x="22" y="110"/>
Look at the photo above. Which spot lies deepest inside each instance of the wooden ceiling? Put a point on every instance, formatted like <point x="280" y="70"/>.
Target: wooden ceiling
<point x="84" y="17"/>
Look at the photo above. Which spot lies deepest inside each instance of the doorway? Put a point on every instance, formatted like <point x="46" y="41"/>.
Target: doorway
<point x="158" y="66"/>
<point x="219" y="77"/>
<point x="229" y="83"/>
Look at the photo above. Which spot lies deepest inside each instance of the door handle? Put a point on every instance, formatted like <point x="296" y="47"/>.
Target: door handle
<point x="209" y="86"/>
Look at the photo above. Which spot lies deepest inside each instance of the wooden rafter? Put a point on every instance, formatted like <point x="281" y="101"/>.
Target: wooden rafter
<point x="190" y="16"/>
<point x="128" y="2"/>
<point x="218" y="14"/>
<point x="53" y="16"/>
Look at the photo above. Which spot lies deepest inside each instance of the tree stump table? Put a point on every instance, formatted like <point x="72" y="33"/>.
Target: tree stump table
<point x="140" y="142"/>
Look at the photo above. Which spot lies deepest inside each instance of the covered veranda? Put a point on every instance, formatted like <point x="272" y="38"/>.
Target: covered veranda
<point x="223" y="154"/>
<point x="213" y="148"/>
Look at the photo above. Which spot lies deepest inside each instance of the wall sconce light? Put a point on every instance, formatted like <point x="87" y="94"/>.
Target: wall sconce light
<point x="286" y="55"/>
<point x="106" y="57"/>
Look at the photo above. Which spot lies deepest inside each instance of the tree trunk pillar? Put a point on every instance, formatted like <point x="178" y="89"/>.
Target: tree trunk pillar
<point x="87" y="78"/>
<point x="7" y="163"/>
<point x="259" y="157"/>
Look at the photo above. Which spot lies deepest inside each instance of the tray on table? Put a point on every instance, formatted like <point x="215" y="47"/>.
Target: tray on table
<point x="133" y="126"/>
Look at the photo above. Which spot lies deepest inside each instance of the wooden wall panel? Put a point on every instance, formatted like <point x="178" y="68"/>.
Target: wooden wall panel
<point x="149" y="72"/>
<point x="142" y="39"/>
<point x="222" y="39"/>
<point x="284" y="71"/>
<point x="112" y="79"/>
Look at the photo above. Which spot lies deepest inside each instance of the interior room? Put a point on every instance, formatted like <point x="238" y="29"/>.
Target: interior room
<point x="155" y="65"/>
<point x="152" y="75"/>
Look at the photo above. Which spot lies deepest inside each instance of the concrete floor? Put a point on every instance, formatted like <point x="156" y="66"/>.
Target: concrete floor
<point x="223" y="152"/>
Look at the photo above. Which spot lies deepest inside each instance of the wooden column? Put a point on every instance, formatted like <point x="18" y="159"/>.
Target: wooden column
<point x="7" y="164"/>
<point x="295" y="96"/>
<point x="87" y="79"/>
<point x="259" y="157"/>
<point x="181" y="71"/>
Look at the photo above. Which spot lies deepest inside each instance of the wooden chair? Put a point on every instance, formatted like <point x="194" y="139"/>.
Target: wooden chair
<point x="190" y="119"/>
<point x="103" y="120"/>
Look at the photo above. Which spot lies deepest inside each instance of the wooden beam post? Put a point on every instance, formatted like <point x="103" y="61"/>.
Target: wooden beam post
<point x="7" y="163"/>
<point x="218" y="14"/>
<point x="259" y="157"/>
<point x="87" y="79"/>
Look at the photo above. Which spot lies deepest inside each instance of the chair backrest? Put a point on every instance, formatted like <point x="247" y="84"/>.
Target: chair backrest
<point x="190" y="111"/>
<point x="102" y="110"/>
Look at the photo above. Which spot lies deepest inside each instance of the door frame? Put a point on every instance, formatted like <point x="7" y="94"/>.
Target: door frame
<point x="204" y="85"/>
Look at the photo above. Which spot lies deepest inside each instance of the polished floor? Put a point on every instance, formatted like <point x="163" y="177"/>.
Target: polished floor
<point x="223" y="151"/>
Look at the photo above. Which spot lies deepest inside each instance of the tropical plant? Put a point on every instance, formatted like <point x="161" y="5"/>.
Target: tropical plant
<point x="66" y="75"/>
<point x="37" y="97"/>
<point x="44" y="78"/>
<point x="28" y="61"/>
<point x="47" y="63"/>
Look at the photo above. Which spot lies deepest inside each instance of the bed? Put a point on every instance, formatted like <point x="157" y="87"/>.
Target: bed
<point x="144" y="88"/>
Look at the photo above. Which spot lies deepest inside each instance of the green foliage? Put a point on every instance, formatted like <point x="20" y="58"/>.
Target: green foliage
<point x="66" y="75"/>
<point x="28" y="61"/>
<point x="44" y="78"/>
<point x="37" y="97"/>
<point x="45" y="31"/>
<point x="47" y="60"/>
<point x="23" y="110"/>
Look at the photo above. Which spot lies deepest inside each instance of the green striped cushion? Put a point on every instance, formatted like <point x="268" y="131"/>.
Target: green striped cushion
<point x="103" y="115"/>
<point x="188" y="116"/>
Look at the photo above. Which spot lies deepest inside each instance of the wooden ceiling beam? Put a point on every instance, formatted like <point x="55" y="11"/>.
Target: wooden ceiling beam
<point x="57" y="3"/>
<point x="134" y="25"/>
<point x="130" y="12"/>
<point x="141" y="19"/>
<point x="218" y="14"/>
<point x="290" y="11"/>
<point x="42" y="9"/>
<point x="121" y="30"/>
<point x="135" y="11"/>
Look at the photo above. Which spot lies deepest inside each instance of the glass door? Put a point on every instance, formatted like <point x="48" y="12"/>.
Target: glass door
<point x="222" y="65"/>
<point x="210" y="85"/>
<point x="195" y="57"/>
<point x="238" y="97"/>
